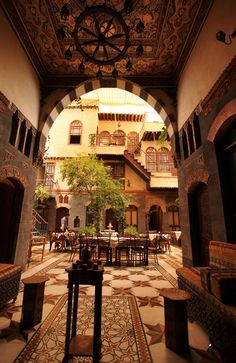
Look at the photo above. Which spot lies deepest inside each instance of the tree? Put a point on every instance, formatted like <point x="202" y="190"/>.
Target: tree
<point x="85" y="173"/>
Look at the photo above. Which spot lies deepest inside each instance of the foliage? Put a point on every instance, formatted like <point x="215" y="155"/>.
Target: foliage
<point x="41" y="194"/>
<point x="163" y="137"/>
<point x="92" y="140"/>
<point x="85" y="173"/>
<point x="131" y="231"/>
<point x="87" y="231"/>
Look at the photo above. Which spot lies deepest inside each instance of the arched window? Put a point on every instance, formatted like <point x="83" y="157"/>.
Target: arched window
<point x="132" y="141"/>
<point x="119" y="137"/>
<point x="66" y="199"/>
<point x="75" y="132"/>
<point x="173" y="217"/>
<point x="60" y="198"/>
<point x="151" y="159"/>
<point x="163" y="160"/>
<point x="131" y="216"/>
<point x="104" y="138"/>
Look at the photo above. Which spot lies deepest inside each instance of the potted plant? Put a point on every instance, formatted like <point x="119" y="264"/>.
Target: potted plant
<point x="131" y="231"/>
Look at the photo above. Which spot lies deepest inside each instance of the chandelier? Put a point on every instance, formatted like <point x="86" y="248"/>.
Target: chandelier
<point x="100" y="35"/>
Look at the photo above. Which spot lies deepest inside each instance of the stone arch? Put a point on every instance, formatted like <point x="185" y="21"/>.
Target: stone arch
<point x="198" y="176"/>
<point x="94" y="84"/>
<point x="228" y="111"/>
<point x="9" y="171"/>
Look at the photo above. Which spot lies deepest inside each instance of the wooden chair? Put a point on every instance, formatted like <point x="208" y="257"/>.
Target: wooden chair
<point x="104" y="247"/>
<point x="154" y="248"/>
<point x="75" y="248"/>
<point x="139" y="250"/>
<point x="122" y="249"/>
<point x="36" y="246"/>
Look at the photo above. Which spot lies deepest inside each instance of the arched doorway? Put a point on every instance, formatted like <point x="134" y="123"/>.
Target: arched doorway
<point x="11" y="196"/>
<point x="110" y="217"/>
<point x="226" y="156"/>
<point x="200" y="224"/>
<point x="155" y="218"/>
<point x="61" y="212"/>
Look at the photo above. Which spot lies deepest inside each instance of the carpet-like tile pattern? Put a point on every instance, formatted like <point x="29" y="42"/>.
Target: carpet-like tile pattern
<point x="123" y="338"/>
<point x="133" y="315"/>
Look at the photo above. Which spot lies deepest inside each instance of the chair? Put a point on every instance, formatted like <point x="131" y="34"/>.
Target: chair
<point x="104" y="247"/>
<point x="139" y="249"/>
<point x="36" y="246"/>
<point x="92" y="246"/>
<point x="154" y="248"/>
<point x="75" y="248"/>
<point x="123" y="248"/>
<point x="165" y="243"/>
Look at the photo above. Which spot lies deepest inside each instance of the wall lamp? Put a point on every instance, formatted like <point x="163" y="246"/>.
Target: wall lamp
<point x="221" y="36"/>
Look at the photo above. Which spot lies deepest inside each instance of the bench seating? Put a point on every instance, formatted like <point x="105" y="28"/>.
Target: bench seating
<point x="10" y="275"/>
<point x="213" y="302"/>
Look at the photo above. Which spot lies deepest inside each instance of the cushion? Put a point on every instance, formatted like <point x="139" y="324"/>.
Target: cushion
<point x="206" y="272"/>
<point x="223" y="286"/>
<point x="222" y="254"/>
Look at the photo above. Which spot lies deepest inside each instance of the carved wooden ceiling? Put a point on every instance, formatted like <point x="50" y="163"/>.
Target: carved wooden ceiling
<point x="171" y="29"/>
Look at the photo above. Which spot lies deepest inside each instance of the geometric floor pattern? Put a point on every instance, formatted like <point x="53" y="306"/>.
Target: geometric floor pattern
<point x="131" y="300"/>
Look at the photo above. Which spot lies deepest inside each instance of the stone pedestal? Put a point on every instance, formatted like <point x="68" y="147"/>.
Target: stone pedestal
<point x="176" y="328"/>
<point x="32" y="307"/>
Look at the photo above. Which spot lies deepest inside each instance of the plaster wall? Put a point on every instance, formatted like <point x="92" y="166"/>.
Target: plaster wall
<point x="18" y="80"/>
<point x="60" y="132"/>
<point x="136" y="183"/>
<point x="208" y="59"/>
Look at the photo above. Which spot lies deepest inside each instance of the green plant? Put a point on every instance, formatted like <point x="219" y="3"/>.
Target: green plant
<point x="87" y="231"/>
<point x="41" y="194"/>
<point x="163" y="137"/>
<point x="131" y="231"/>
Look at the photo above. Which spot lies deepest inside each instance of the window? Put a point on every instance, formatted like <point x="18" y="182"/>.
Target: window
<point x="119" y="137"/>
<point x="197" y="132"/>
<point x="104" y="138"/>
<point x="22" y="136"/>
<point x="49" y="175"/>
<point x="66" y="199"/>
<point x="173" y="217"/>
<point x="190" y="138"/>
<point x="75" y="132"/>
<point x="14" y="128"/>
<point x="151" y="159"/>
<point x="185" y="144"/>
<point x="131" y="216"/>
<point x="118" y="171"/>
<point x="28" y="143"/>
<point x="164" y="160"/>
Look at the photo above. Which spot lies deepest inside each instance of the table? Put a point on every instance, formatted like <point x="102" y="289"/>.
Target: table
<point x="32" y="306"/>
<point x="176" y="328"/>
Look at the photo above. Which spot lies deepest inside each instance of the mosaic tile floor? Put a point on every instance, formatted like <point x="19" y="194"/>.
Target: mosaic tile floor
<point x="139" y="284"/>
